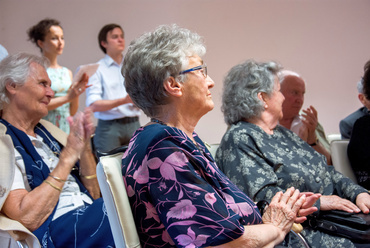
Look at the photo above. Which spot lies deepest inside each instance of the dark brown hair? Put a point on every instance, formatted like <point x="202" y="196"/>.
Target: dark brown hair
<point x="39" y="31"/>
<point x="103" y="34"/>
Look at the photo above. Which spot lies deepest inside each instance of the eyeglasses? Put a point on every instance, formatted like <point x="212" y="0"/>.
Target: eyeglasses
<point x="203" y="69"/>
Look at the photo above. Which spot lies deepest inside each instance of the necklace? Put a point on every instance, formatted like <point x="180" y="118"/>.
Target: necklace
<point x="158" y="121"/>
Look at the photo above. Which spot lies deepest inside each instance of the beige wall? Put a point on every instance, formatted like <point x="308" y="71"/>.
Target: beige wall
<point x="327" y="41"/>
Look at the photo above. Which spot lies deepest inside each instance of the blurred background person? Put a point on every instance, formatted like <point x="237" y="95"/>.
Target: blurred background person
<point x="306" y="124"/>
<point x="117" y="117"/>
<point x="346" y="125"/>
<point x="3" y="52"/>
<point x="49" y="37"/>
<point x="51" y="194"/>
<point x="262" y="157"/>
<point x="359" y="144"/>
<point x="178" y="195"/>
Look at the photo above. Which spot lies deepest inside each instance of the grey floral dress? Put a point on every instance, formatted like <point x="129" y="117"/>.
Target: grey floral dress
<point x="262" y="165"/>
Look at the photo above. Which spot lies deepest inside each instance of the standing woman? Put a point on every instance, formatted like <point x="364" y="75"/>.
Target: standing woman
<point x="48" y="36"/>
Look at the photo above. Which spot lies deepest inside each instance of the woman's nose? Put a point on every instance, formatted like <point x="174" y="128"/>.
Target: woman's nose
<point x="210" y="82"/>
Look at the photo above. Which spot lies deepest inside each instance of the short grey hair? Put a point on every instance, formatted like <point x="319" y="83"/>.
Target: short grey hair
<point x="241" y="87"/>
<point x="15" y="69"/>
<point x="154" y="57"/>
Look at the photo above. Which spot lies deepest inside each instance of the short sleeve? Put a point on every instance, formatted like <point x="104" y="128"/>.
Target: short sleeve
<point x="95" y="91"/>
<point x="18" y="182"/>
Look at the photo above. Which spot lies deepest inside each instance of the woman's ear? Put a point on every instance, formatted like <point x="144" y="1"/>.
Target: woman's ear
<point x="172" y="86"/>
<point x="11" y="88"/>
<point x="262" y="97"/>
<point x="40" y="43"/>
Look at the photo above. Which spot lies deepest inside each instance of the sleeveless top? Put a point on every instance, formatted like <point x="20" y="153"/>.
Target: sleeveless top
<point x="60" y="83"/>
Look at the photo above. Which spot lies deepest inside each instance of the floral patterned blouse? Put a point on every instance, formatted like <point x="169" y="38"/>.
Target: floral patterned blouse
<point x="261" y="165"/>
<point x="60" y="83"/>
<point x="178" y="195"/>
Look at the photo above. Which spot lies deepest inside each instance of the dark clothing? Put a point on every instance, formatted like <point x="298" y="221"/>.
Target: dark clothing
<point x="359" y="151"/>
<point x="110" y="134"/>
<point x="346" y="125"/>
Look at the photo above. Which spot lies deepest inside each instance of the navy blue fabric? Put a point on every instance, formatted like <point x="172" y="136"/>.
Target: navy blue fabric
<point x="89" y="227"/>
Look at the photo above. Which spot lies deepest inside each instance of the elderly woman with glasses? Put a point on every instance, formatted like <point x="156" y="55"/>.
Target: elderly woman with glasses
<point x="178" y="195"/>
<point x="263" y="158"/>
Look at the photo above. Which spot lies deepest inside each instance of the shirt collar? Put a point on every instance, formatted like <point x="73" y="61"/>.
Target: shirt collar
<point x="109" y="61"/>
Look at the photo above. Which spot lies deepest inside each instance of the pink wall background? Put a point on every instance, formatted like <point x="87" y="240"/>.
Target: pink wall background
<point x="326" y="41"/>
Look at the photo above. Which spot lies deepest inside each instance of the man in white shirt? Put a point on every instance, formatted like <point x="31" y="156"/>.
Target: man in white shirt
<point x="118" y="117"/>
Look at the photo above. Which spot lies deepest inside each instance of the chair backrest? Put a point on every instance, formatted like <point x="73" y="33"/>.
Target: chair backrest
<point x="340" y="158"/>
<point x="333" y="136"/>
<point x="115" y="197"/>
<point x="213" y="148"/>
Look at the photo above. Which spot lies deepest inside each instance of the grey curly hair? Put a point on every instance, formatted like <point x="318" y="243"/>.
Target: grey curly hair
<point x="154" y="57"/>
<point x="241" y="87"/>
<point x="15" y="69"/>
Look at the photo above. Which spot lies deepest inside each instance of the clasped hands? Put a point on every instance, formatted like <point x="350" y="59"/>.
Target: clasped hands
<point x="289" y="207"/>
<point x="81" y="129"/>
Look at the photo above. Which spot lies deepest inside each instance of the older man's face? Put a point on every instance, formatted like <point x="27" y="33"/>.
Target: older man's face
<point x="293" y="90"/>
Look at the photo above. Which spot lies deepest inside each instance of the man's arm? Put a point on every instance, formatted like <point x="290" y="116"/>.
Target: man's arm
<point x="105" y="105"/>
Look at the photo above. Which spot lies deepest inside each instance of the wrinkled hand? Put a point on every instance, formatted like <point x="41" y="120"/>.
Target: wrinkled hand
<point x="310" y="120"/>
<point x="81" y="129"/>
<point x="283" y="209"/>
<point x="77" y="88"/>
<point x="363" y="202"/>
<point x="334" y="202"/>
<point x="307" y="207"/>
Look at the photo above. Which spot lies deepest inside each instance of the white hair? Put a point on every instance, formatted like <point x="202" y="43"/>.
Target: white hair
<point x="284" y="73"/>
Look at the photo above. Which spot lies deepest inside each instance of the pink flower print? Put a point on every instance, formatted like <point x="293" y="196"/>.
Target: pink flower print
<point x="190" y="240"/>
<point x="151" y="212"/>
<point x="167" y="238"/>
<point x="182" y="210"/>
<point x="130" y="191"/>
<point x="167" y="168"/>
<point x="142" y="174"/>
<point x="210" y="198"/>
<point x="242" y="208"/>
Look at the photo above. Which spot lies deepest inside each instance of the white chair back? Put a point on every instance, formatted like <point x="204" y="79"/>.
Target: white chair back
<point x="115" y="197"/>
<point x="213" y="149"/>
<point x="333" y="136"/>
<point x="340" y="158"/>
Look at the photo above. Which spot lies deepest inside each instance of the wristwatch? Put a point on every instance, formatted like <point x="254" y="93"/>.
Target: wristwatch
<point x="315" y="143"/>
